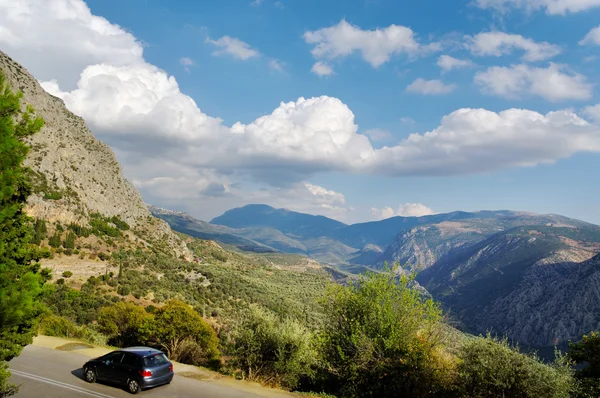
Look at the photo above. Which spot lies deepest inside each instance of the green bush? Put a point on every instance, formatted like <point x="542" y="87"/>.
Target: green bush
<point x="67" y="274"/>
<point x="492" y="368"/>
<point x="175" y="326"/>
<point x="69" y="242"/>
<point x="586" y="354"/>
<point x="272" y="351"/>
<point x="58" y="326"/>
<point x="122" y="323"/>
<point x="123" y="290"/>
<point x="382" y="339"/>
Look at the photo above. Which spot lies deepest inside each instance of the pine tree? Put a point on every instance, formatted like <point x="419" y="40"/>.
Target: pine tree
<point x="56" y="240"/>
<point x="21" y="279"/>
<point x="69" y="242"/>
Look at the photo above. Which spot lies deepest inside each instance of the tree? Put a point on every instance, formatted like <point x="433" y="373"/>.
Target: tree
<point x="175" y="325"/>
<point x="55" y="240"/>
<point x="492" y="368"/>
<point x="273" y="351"/>
<point x="69" y="242"/>
<point x="382" y="339"/>
<point x="39" y="231"/>
<point x="21" y="279"/>
<point x="123" y="323"/>
<point x="586" y="353"/>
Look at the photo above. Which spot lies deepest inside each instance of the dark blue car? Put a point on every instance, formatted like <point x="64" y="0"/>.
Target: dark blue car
<point x="136" y="368"/>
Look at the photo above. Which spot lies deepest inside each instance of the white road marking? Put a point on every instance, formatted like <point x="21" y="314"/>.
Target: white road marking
<point x="60" y="384"/>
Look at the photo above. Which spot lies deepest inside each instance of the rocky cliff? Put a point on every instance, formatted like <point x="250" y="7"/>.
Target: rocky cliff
<point x="74" y="174"/>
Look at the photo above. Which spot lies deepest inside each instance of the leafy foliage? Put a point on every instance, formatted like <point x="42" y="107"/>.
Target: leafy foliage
<point x="122" y="323"/>
<point x="586" y="353"/>
<point x="381" y="338"/>
<point x="492" y="368"/>
<point x="175" y="325"/>
<point x="20" y="277"/>
<point x="271" y="350"/>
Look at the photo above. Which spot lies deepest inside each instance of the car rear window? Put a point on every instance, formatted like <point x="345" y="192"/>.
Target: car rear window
<point x="155" y="360"/>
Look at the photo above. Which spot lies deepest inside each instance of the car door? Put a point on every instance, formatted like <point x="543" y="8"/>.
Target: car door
<point x="106" y="369"/>
<point x="127" y="367"/>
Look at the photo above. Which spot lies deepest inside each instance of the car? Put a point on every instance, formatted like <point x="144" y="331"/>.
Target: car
<point x="136" y="368"/>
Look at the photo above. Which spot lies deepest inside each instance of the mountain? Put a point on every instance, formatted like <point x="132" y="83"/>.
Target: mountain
<point x="536" y="284"/>
<point x="259" y="238"/>
<point x="422" y="246"/>
<point x="287" y="221"/>
<point x="74" y="175"/>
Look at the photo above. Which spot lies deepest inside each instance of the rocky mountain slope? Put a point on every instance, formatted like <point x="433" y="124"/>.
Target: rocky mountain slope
<point x="531" y="283"/>
<point x="75" y="175"/>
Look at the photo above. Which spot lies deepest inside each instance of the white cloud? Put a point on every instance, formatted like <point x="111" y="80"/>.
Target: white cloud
<point x="322" y="69"/>
<point x="234" y="47"/>
<point x="550" y="83"/>
<point x="256" y="3"/>
<point x="139" y="110"/>
<point x="375" y="46"/>
<point x="593" y="37"/>
<point x="185" y="61"/>
<point x="409" y="121"/>
<point x="276" y="65"/>
<point x="378" y="134"/>
<point x="501" y="43"/>
<point x="560" y="7"/>
<point x="593" y="112"/>
<point x="58" y="39"/>
<point x="447" y="63"/>
<point x="404" y="210"/>
<point x="430" y="87"/>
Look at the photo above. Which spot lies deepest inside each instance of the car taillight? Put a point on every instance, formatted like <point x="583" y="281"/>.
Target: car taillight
<point x="145" y="373"/>
<point x="171" y="368"/>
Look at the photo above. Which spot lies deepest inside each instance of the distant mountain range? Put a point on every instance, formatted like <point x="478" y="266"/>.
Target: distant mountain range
<point x="531" y="277"/>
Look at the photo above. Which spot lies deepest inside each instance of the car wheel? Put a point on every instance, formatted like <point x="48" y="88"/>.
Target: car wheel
<point x="133" y="386"/>
<point x="89" y="375"/>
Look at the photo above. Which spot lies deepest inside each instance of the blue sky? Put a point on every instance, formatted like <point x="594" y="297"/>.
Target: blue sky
<point x="242" y="59"/>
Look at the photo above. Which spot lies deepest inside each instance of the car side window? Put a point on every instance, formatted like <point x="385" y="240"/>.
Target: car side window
<point x="129" y="359"/>
<point x="112" y="358"/>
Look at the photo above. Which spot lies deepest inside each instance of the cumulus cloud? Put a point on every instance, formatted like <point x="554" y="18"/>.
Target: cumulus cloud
<point x="58" y="39"/>
<point x="322" y="69"/>
<point x="447" y="63"/>
<point x="404" y="210"/>
<point x="375" y="46"/>
<point x="378" y="134"/>
<point x="501" y="43"/>
<point x="554" y="83"/>
<point x="593" y="37"/>
<point x="593" y="112"/>
<point x="234" y="47"/>
<point x="430" y="87"/>
<point x="559" y="7"/>
<point x="166" y="143"/>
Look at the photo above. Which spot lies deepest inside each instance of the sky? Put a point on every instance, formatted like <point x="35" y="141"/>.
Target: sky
<point x="358" y="110"/>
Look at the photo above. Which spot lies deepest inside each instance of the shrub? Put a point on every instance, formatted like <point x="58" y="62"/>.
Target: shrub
<point x="103" y="256"/>
<point x="175" y="325"/>
<point x="122" y="323"/>
<point x="586" y="354"/>
<point x="273" y="351"/>
<point x="381" y="338"/>
<point x="67" y="274"/>
<point x="58" y="326"/>
<point x="492" y="368"/>
<point x="123" y="290"/>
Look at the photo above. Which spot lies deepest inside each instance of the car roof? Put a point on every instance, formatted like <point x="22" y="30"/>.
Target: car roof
<point x="141" y="351"/>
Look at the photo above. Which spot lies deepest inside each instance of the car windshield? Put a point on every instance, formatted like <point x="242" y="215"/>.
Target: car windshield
<point x="155" y="360"/>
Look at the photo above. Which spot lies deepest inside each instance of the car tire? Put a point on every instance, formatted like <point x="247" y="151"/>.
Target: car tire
<point x="133" y="386"/>
<point x="89" y="375"/>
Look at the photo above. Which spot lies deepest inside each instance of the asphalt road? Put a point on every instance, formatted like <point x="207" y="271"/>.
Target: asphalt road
<point x="48" y="373"/>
